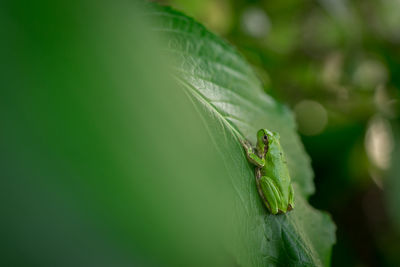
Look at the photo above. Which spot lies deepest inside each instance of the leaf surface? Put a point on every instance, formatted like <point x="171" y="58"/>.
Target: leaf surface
<point x="232" y="104"/>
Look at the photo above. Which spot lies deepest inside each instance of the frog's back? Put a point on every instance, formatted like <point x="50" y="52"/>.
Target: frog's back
<point x="276" y="168"/>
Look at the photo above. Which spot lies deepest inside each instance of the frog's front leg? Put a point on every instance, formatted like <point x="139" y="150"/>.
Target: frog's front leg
<point x="252" y="157"/>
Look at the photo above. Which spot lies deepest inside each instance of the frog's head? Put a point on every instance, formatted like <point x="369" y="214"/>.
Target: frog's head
<point x="265" y="136"/>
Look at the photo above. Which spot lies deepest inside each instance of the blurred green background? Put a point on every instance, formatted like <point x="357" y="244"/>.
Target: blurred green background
<point x="336" y="63"/>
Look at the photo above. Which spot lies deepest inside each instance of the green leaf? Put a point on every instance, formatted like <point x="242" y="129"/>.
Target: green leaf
<point x="230" y="99"/>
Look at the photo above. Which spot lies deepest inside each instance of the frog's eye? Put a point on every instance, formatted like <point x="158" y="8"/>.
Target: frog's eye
<point x="265" y="139"/>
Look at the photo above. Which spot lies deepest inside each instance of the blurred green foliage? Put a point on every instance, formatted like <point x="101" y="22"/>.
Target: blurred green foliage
<point x="337" y="64"/>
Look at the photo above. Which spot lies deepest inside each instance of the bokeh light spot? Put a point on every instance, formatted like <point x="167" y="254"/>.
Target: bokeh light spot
<point x="311" y="117"/>
<point x="255" y="22"/>
<point x="369" y="74"/>
<point x="379" y="142"/>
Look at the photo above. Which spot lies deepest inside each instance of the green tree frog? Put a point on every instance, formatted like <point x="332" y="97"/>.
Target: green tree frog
<point x="272" y="174"/>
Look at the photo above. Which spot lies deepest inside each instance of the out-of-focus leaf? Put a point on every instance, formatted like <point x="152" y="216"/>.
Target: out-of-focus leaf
<point x="229" y="97"/>
<point x="98" y="168"/>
